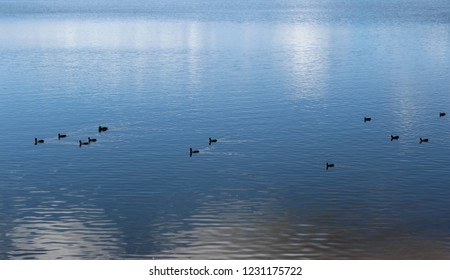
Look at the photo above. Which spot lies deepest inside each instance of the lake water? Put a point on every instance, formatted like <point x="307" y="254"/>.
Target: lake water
<point x="283" y="85"/>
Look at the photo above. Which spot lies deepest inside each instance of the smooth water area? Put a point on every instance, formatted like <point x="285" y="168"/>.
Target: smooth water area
<point x="283" y="85"/>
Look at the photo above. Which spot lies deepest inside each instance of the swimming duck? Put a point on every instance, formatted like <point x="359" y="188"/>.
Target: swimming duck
<point x="83" y="143"/>
<point x="212" y="141"/>
<point x="367" y="119"/>
<point x="329" y="165"/>
<point x="395" y="137"/>
<point x="193" y="152"/>
<point x="36" y="141"/>
<point x="91" y="139"/>
<point x="102" y="128"/>
<point x="423" y="140"/>
<point x="61" y="136"/>
<point x="442" y="114"/>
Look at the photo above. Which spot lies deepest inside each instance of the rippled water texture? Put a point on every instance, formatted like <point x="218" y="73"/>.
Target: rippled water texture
<point x="283" y="85"/>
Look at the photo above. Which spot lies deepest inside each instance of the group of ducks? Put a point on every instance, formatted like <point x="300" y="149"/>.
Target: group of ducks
<point x="211" y="140"/>
<point x="393" y="137"/>
<point x="330" y="165"/>
<point x="82" y="143"/>
<point x="421" y="140"/>
<point x="191" y="151"/>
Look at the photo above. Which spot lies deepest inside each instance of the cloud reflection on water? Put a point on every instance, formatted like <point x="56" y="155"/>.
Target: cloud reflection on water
<point x="57" y="232"/>
<point x="239" y="229"/>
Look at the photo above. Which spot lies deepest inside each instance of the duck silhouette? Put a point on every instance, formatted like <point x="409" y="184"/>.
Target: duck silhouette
<point x="329" y="165"/>
<point x="38" y="141"/>
<point x="102" y="128"/>
<point x="61" y="136"/>
<point x="367" y="119"/>
<point x="442" y="114"/>
<point x="193" y="152"/>
<point x="423" y="140"/>
<point x="395" y="137"/>
<point x="91" y="140"/>
<point x="212" y="141"/>
<point x="83" y="143"/>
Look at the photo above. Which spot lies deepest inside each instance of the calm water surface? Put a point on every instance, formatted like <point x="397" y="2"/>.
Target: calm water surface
<point x="283" y="85"/>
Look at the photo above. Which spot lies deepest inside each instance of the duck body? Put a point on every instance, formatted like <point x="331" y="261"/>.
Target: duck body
<point x="367" y="119"/>
<point x="212" y="141"/>
<point x="91" y="139"/>
<point x="83" y="143"/>
<point x="102" y="128"/>
<point x="329" y="165"/>
<point x="442" y="114"/>
<point x="61" y="136"/>
<point x="423" y="140"/>
<point x="395" y="137"/>
<point x="191" y="151"/>
<point x="38" y="141"/>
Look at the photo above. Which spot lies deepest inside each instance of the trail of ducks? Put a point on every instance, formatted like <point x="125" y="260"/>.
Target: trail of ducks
<point x="80" y="142"/>
<point x="328" y="165"/>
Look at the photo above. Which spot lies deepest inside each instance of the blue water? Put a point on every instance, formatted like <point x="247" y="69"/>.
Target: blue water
<point x="283" y="85"/>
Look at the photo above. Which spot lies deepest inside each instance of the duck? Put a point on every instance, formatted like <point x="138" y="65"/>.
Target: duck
<point x="423" y="140"/>
<point x="61" y="136"/>
<point x="193" y="152"/>
<point x="102" y="128"/>
<point x="442" y="114"/>
<point x="212" y="141"/>
<point x="83" y="143"/>
<point x="395" y="137"/>
<point x="91" y="140"/>
<point x="367" y="119"/>
<point x="36" y="141"/>
<point x="329" y="165"/>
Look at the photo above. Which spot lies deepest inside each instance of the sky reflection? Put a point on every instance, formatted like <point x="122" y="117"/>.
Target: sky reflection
<point x="57" y="232"/>
<point x="125" y="34"/>
<point x="240" y="229"/>
<point x="307" y="53"/>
